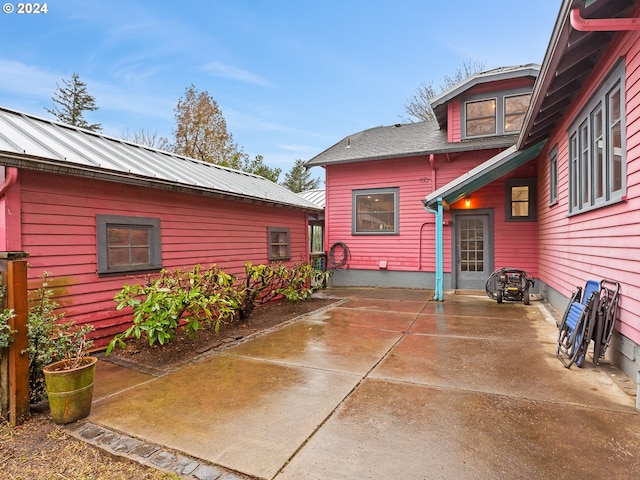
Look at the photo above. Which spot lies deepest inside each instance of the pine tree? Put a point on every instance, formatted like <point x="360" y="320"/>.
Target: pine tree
<point x="298" y="179"/>
<point x="70" y="101"/>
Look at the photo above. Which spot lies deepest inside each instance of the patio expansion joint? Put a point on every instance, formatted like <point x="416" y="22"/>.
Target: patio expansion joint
<point x="364" y="377"/>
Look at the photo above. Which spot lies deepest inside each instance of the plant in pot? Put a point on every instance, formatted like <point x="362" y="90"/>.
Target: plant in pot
<point x="70" y="381"/>
<point x="59" y="360"/>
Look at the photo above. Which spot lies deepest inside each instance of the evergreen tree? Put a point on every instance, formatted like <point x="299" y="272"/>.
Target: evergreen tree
<point x="298" y="179"/>
<point x="70" y="101"/>
<point x="257" y="167"/>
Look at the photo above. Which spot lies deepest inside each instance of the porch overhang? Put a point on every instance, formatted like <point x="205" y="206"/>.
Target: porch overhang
<point x="483" y="174"/>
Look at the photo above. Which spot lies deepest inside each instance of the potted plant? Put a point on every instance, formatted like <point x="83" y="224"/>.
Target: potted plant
<point x="69" y="381"/>
<point x="59" y="367"/>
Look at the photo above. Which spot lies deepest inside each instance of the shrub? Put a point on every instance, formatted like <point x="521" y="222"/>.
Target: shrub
<point x="6" y="333"/>
<point x="187" y="299"/>
<point x="176" y="299"/>
<point x="264" y="283"/>
<point x="50" y="339"/>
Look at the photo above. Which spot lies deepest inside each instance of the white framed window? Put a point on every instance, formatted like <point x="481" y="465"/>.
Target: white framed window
<point x="597" y="148"/>
<point x="375" y="211"/>
<point x="128" y="244"/>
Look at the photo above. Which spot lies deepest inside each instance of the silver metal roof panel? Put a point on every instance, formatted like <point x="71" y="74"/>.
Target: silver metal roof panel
<point x="27" y="141"/>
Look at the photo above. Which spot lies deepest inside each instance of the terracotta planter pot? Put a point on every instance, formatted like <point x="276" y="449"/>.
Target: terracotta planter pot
<point x="70" y="392"/>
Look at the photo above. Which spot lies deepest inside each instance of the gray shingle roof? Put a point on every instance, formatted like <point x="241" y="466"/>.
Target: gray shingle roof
<point x="34" y="143"/>
<point x="400" y="141"/>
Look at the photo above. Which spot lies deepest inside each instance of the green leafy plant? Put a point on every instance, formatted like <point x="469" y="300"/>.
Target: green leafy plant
<point x="50" y="339"/>
<point x="6" y="333"/>
<point x="185" y="299"/>
<point x="265" y="283"/>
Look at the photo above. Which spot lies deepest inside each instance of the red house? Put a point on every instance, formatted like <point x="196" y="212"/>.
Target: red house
<point x="377" y="229"/>
<point x="97" y="212"/>
<point x="544" y="177"/>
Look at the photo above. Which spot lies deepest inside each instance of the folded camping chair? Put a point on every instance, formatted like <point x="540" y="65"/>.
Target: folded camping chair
<point x="606" y="313"/>
<point x="577" y="326"/>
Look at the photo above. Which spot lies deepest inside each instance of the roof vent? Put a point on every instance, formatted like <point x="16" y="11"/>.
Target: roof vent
<point x="398" y="125"/>
<point x="348" y="143"/>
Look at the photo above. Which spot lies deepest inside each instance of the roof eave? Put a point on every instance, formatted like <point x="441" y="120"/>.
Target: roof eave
<point x="96" y="173"/>
<point x="454" y="147"/>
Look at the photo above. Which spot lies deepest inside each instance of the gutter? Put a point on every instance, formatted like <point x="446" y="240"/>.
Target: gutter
<point x="602" y="24"/>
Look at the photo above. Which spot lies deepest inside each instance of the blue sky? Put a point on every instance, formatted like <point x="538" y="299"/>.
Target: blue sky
<point x="291" y="78"/>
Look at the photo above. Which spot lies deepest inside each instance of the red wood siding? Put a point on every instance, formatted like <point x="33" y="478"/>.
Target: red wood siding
<point x="515" y="243"/>
<point x="414" y="248"/>
<point x="412" y="176"/>
<point x="59" y="233"/>
<point x="603" y="243"/>
<point x="454" y="122"/>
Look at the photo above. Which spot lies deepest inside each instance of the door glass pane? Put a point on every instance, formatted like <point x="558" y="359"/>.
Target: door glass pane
<point x="472" y="249"/>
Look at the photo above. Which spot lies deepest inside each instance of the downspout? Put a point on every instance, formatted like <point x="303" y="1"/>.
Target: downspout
<point x="11" y="175"/>
<point x="10" y="222"/>
<point x="602" y="24"/>
<point x="439" y="290"/>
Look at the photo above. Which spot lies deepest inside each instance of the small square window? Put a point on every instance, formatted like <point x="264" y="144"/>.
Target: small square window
<point x="375" y="212"/>
<point x="520" y="205"/>
<point x="128" y="244"/>
<point x="279" y="243"/>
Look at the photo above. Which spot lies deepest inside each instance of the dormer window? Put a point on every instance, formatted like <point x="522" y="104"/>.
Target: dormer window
<point x="498" y="114"/>
<point x="515" y="107"/>
<point x="481" y="117"/>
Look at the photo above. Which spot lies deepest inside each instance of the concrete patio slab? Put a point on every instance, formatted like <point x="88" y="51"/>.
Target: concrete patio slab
<point x="246" y="415"/>
<point x="388" y="384"/>
<point x="397" y="430"/>
<point x="340" y="347"/>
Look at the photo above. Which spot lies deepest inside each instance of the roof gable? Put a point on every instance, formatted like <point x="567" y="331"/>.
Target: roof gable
<point x="439" y="103"/>
<point x="34" y="143"/>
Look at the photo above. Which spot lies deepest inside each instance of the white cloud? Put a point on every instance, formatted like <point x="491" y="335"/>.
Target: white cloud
<point x="222" y="70"/>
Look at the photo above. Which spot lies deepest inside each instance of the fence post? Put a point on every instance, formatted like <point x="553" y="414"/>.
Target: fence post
<point x="15" y="369"/>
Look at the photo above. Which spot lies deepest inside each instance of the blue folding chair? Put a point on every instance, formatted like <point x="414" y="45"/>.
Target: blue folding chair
<point x="577" y="325"/>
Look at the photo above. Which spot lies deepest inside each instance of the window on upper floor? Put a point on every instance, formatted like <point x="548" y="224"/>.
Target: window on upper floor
<point x="375" y="211"/>
<point x="128" y="244"/>
<point x="495" y="114"/>
<point x="597" y="148"/>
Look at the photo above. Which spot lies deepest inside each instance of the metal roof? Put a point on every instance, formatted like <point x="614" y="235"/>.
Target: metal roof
<point x="34" y="143"/>
<point x="439" y="102"/>
<point x="401" y="141"/>
<point x="483" y="174"/>
<point x="317" y="197"/>
<point x="570" y="57"/>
